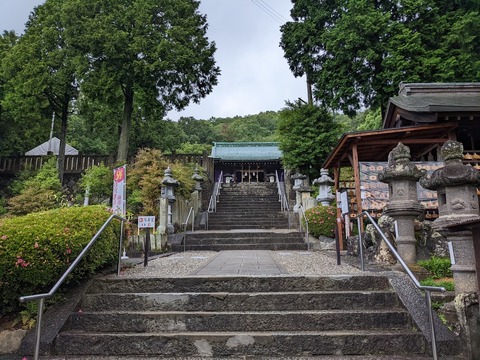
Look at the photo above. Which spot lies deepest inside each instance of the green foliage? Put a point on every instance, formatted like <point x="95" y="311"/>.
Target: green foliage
<point x="447" y="284"/>
<point x="197" y="149"/>
<point x="38" y="193"/>
<point x="437" y="266"/>
<point x="306" y="136"/>
<point x="37" y="248"/>
<point x="356" y="53"/>
<point x="163" y="61"/>
<point x="98" y="180"/>
<point x="146" y="176"/>
<point x="322" y="220"/>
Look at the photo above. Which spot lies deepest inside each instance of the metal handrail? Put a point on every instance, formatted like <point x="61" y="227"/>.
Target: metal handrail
<point x="419" y="286"/>
<point x="307" y="234"/>
<point x="212" y="205"/>
<point x="185" y="224"/>
<point x="282" y="197"/>
<point x="41" y="297"/>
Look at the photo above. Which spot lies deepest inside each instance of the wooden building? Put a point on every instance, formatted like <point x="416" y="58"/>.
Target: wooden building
<point x="246" y="162"/>
<point x="423" y="117"/>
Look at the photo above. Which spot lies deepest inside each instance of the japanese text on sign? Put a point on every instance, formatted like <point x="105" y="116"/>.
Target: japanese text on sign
<point x="146" y="222"/>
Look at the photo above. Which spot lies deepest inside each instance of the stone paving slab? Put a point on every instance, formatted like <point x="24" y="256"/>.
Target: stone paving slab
<point x="242" y="262"/>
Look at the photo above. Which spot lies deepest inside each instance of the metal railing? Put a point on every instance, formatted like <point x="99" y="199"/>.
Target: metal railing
<point x="426" y="289"/>
<point x="41" y="297"/>
<point x="185" y="225"/>
<point x="282" y="197"/>
<point x="212" y="205"/>
<point x="301" y="211"/>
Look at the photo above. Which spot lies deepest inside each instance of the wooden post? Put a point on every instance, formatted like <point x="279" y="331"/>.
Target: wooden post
<point x="356" y="172"/>
<point x="336" y="178"/>
<point x="147" y="246"/>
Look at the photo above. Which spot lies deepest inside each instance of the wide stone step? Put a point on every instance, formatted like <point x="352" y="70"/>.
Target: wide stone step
<point x="221" y="301"/>
<point x="267" y="222"/>
<point x="261" y="226"/>
<point x="277" y="246"/>
<point x="243" y="240"/>
<point x="279" y="234"/>
<point x="163" y="321"/>
<point x="238" y="284"/>
<point x="242" y="343"/>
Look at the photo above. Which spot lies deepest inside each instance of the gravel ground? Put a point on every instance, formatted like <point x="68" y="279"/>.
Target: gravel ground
<point x="295" y="262"/>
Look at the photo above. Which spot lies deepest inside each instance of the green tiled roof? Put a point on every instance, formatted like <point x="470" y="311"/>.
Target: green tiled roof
<point x="243" y="151"/>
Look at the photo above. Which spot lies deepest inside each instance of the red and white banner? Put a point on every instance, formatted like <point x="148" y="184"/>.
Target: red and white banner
<point x="119" y="190"/>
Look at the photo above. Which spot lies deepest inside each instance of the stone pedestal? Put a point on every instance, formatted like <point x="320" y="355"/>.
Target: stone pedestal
<point x="403" y="204"/>
<point x="456" y="185"/>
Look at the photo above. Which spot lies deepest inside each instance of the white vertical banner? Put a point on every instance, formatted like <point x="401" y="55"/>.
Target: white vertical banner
<point x="119" y="190"/>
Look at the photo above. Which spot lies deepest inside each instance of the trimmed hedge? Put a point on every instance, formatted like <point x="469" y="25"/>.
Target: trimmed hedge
<point x="36" y="249"/>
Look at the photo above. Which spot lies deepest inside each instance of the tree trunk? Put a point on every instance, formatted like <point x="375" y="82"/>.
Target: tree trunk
<point x="309" y="92"/>
<point x="63" y="142"/>
<point x="123" y="141"/>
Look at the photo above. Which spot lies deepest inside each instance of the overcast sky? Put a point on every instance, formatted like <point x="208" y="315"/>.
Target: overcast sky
<point x="254" y="75"/>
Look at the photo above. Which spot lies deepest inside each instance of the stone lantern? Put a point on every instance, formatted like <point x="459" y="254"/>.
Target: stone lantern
<point x="325" y="182"/>
<point x="456" y="185"/>
<point x="168" y="192"/>
<point x="298" y="180"/>
<point x="198" y="179"/>
<point x="402" y="176"/>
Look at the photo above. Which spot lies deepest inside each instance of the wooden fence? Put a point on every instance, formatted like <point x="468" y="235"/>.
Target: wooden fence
<point x="76" y="164"/>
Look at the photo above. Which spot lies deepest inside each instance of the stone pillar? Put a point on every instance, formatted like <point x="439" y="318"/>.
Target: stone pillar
<point x="403" y="205"/>
<point x="456" y="185"/>
<point x="325" y="182"/>
<point x="168" y="192"/>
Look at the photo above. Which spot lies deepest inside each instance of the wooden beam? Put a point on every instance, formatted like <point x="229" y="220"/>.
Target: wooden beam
<point x="336" y="178"/>
<point x="356" y="173"/>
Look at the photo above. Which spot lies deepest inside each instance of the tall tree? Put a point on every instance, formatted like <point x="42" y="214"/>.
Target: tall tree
<point x="154" y="50"/>
<point x="307" y="134"/>
<point x="40" y="71"/>
<point x="357" y="52"/>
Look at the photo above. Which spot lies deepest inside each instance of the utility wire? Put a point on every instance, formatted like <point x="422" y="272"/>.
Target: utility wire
<point x="275" y="11"/>
<point x="269" y="11"/>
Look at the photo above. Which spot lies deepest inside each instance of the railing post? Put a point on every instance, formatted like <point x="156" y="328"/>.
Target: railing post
<point x="38" y="331"/>
<point x="433" y="337"/>
<point x="120" y="248"/>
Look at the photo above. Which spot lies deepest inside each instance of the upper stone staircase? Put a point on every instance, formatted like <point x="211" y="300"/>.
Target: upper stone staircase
<point x="248" y="216"/>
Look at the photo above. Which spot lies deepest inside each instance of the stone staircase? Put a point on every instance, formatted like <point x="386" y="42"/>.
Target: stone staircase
<point x="264" y="317"/>
<point x="248" y="217"/>
<point x="248" y="206"/>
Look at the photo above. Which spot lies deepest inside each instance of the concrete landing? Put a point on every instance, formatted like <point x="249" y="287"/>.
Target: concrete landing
<point x="242" y="262"/>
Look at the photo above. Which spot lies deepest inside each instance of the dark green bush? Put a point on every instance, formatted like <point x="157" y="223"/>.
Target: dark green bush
<point x="322" y="220"/>
<point x="437" y="266"/>
<point x="36" y="249"/>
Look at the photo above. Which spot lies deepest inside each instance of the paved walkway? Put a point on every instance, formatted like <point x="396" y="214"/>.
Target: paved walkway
<point x="242" y="262"/>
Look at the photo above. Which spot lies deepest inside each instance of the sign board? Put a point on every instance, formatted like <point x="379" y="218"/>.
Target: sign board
<point x="344" y="202"/>
<point x="119" y="190"/>
<point x="146" y="222"/>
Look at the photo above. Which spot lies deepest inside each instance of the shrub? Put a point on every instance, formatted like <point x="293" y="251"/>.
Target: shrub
<point x="99" y="180"/>
<point x="322" y="220"/>
<point x="38" y="193"/>
<point x="36" y="249"/>
<point x="437" y="266"/>
<point x="146" y="176"/>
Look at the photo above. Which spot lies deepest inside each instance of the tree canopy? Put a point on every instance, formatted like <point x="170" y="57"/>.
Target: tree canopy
<point x="355" y="53"/>
<point x="307" y="134"/>
<point x="158" y="50"/>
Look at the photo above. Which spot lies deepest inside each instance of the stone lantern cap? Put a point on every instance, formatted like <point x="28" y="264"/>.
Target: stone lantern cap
<point x="454" y="173"/>
<point x="298" y="176"/>
<point x="168" y="180"/>
<point x="400" y="167"/>
<point x="324" y="179"/>
<point x="196" y="176"/>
